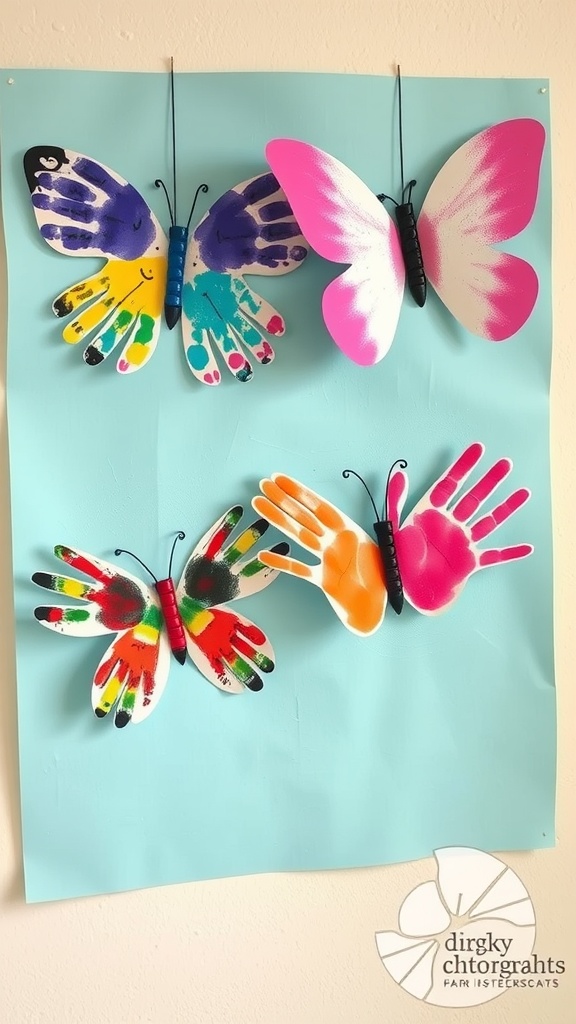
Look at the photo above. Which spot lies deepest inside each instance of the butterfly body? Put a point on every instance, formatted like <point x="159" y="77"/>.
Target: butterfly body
<point x="166" y="591"/>
<point x="384" y="533"/>
<point x="411" y="251"/>
<point x="177" y="246"/>
<point x="385" y="539"/>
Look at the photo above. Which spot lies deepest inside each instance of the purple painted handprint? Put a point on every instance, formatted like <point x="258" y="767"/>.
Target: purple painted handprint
<point x="234" y="235"/>
<point x="104" y="214"/>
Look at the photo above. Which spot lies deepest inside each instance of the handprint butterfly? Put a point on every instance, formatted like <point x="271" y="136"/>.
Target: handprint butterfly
<point x="150" y="622"/>
<point x="436" y="549"/>
<point x="484" y="194"/>
<point x="83" y="208"/>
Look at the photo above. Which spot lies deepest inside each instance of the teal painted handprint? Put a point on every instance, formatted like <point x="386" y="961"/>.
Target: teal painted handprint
<point x="249" y="230"/>
<point x="220" y="309"/>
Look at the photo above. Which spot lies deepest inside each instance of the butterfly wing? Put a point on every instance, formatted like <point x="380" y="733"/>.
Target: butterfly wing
<point x="248" y="230"/>
<point x="228" y="649"/>
<point x="345" y="223"/>
<point x="133" y="671"/>
<point x="484" y="194"/>
<point x="84" y="208"/>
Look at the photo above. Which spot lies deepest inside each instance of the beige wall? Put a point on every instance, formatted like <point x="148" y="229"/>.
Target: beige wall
<point x="294" y="949"/>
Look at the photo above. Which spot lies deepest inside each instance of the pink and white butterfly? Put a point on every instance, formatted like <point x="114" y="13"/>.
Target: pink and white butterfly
<point x="484" y="194"/>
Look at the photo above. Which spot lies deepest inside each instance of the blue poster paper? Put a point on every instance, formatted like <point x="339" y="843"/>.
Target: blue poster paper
<point x="432" y="732"/>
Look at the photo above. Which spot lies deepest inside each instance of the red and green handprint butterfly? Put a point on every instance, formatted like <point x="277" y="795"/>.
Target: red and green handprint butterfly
<point x="150" y="622"/>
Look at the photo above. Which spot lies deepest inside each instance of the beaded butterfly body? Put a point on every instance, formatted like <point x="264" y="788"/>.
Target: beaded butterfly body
<point x="484" y="194"/>
<point x="84" y="208"/>
<point x="228" y="649"/>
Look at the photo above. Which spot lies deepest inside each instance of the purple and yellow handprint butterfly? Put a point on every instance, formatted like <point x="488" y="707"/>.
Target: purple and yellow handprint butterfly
<point x="83" y="208"/>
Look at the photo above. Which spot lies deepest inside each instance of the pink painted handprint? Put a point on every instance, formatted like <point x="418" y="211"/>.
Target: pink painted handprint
<point x="437" y="544"/>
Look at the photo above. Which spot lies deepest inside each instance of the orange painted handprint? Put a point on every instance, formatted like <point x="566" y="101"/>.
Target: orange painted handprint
<point x="350" y="569"/>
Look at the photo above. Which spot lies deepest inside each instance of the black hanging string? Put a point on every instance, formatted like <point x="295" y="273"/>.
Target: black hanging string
<point x="172" y="205"/>
<point x="400" y="129"/>
<point x="158" y="182"/>
<point x="173" y="138"/>
<point x="401" y="140"/>
<point x="406" y="190"/>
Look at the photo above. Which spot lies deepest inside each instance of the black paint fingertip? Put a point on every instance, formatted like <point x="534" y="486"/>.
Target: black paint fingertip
<point x="281" y="549"/>
<point x="62" y="307"/>
<point x="254" y="684"/>
<point x="93" y="356"/>
<point x="245" y="373"/>
<point x="260" y="526"/>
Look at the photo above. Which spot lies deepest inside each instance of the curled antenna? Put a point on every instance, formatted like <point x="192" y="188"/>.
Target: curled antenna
<point x="403" y="465"/>
<point x="123" y="551"/>
<point x="179" y="536"/>
<point x="383" y="197"/>
<point x="201" y="188"/>
<point x="408" y="189"/>
<point x="160" y="184"/>
<point x="351" y="472"/>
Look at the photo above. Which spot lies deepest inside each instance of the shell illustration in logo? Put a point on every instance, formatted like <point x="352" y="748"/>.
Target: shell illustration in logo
<point x="459" y="934"/>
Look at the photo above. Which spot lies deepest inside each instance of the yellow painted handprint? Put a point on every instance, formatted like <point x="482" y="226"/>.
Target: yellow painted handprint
<point x="124" y="299"/>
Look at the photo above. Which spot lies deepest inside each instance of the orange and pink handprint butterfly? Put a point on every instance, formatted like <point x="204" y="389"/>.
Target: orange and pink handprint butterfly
<point x="436" y="547"/>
